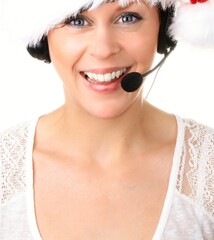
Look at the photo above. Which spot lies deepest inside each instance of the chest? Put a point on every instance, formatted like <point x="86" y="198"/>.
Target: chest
<point x="73" y="205"/>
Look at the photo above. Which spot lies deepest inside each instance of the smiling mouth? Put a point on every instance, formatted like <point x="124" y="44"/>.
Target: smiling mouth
<point x="106" y="78"/>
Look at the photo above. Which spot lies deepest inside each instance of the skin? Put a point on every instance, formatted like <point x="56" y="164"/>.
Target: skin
<point x="97" y="159"/>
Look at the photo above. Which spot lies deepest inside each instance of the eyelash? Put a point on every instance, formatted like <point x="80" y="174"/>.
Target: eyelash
<point x="131" y="14"/>
<point x="80" y="17"/>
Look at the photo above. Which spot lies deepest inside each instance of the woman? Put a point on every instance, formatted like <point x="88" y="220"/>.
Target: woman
<point x="106" y="164"/>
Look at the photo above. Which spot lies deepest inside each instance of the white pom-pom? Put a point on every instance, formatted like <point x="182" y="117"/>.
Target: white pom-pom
<point x="194" y="24"/>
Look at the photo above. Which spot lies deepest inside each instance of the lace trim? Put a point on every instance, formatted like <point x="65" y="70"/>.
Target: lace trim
<point x="195" y="177"/>
<point x="12" y="159"/>
<point x="196" y="173"/>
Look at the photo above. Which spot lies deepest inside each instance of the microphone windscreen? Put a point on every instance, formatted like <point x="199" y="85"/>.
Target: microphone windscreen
<point x="131" y="82"/>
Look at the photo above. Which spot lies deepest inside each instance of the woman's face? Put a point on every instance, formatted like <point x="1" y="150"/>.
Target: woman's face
<point x="94" y="50"/>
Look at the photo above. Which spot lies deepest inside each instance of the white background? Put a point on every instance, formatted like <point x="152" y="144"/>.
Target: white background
<point x="28" y="87"/>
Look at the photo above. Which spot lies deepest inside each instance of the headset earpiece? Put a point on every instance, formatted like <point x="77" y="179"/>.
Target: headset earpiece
<point x="40" y="51"/>
<point x="165" y="41"/>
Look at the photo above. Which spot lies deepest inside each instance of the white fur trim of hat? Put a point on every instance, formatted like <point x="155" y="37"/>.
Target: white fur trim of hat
<point x="31" y="20"/>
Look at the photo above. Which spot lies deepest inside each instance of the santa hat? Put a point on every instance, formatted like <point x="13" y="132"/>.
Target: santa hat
<point x="194" y="23"/>
<point x="31" y="20"/>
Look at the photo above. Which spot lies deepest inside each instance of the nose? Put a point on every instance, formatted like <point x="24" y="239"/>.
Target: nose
<point x="104" y="43"/>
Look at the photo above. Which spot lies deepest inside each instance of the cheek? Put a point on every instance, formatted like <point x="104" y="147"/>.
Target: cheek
<point x="145" y="48"/>
<point x="144" y="45"/>
<point x="64" y="51"/>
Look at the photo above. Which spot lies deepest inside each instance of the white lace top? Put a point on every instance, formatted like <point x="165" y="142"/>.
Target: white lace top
<point x="188" y="212"/>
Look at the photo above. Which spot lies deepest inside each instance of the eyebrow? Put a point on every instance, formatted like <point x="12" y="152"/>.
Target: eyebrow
<point x="127" y="4"/>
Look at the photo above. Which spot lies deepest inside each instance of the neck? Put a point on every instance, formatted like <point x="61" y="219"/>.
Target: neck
<point x="108" y="139"/>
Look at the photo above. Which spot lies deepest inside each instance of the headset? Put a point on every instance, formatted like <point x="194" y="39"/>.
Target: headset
<point x="165" y="40"/>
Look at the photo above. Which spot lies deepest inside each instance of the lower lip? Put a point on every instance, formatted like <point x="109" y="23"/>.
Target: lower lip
<point x="104" y="87"/>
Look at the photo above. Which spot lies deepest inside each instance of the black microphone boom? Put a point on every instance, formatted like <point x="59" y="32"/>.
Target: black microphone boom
<point x="132" y="81"/>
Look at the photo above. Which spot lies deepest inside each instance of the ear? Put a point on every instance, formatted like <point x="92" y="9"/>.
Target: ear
<point x="40" y="51"/>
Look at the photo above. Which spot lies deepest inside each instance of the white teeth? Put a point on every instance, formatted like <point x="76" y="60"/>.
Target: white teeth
<point x="90" y="75"/>
<point x="100" y="78"/>
<point x="113" y="75"/>
<point x="105" y="77"/>
<point x="118" y="73"/>
<point x="95" y="76"/>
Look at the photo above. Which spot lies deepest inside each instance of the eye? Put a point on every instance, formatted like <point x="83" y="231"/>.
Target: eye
<point x="78" y="21"/>
<point x="129" y="17"/>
